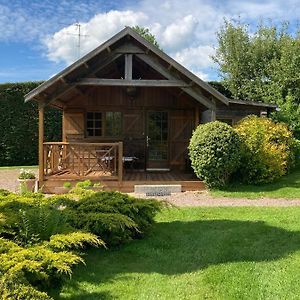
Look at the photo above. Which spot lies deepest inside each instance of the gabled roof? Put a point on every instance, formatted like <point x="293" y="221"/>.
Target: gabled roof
<point x="41" y="90"/>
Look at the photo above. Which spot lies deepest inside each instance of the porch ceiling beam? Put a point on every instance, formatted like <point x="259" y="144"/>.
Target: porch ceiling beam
<point x="69" y="85"/>
<point x="166" y="73"/>
<point x="59" y="93"/>
<point x="125" y="82"/>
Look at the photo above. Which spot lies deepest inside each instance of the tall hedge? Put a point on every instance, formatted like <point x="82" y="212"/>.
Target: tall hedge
<point x="19" y="125"/>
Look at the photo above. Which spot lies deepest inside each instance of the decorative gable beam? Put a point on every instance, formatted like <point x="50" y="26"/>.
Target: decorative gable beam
<point x="129" y="48"/>
<point x="166" y="73"/>
<point x="126" y="82"/>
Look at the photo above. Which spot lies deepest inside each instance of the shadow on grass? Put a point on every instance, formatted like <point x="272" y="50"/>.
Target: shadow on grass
<point x="291" y="180"/>
<point x="183" y="247"/>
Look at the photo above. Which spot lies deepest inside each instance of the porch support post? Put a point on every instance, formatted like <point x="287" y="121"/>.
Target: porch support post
<point x="197" y="117"/>
<point x="213" y="111"/>
<point x="120" y="163"/>
<point x="41" y="142"/>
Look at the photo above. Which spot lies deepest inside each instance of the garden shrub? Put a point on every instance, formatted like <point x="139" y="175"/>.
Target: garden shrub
<point x="214" y="151"/>
<point x="37" y="246"/>
<point x="40" y="237"/>
<point x="267" y="149"/>
<point x="114" y="216"/>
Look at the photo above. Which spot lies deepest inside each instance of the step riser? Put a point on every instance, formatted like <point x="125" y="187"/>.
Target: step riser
<point x="158" y="190"/>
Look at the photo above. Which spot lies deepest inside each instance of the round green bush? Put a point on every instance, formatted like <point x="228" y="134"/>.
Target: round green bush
<point x="215" y="153"/>
<point x="268" y="149"/>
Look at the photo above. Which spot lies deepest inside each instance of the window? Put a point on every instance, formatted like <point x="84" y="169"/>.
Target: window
<point x="113" y="123"/>
<point x="108" y="124"/>
<point x="94" y="124"/>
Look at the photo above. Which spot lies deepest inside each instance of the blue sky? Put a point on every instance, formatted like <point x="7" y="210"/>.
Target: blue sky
<point x="38" y="38"/>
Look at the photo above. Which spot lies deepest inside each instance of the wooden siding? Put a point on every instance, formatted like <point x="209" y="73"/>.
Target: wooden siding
<point x="182" y="113"/>
<point x="236" y="112"/>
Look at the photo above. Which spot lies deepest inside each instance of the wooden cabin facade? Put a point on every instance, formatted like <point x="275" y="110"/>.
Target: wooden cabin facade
<point x="128" y="114"/>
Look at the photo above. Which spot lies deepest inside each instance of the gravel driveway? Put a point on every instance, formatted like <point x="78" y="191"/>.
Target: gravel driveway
<point x="8" y="181"/>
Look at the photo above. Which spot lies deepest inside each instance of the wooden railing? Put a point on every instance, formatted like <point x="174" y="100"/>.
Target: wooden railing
<point x="102" y="160"/>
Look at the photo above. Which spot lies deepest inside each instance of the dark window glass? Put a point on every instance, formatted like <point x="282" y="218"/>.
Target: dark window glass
<point x="113" y="123"/>
<point x="94" y="124"/>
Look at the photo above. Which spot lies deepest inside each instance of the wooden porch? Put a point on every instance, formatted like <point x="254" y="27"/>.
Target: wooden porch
<point x="104" y="163"/>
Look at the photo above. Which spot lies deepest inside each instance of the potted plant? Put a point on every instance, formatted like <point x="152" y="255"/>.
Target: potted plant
<point x="27" y="180"/>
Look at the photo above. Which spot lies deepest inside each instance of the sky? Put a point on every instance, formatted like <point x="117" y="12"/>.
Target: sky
<point x="38" y="38"/>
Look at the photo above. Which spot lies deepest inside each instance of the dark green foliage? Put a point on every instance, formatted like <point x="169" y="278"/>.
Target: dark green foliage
<point x="145" y="33"/>
<point x="215" y="153"/>
<point x="114" y="216"/>
<point x="19" y="125"/>
<point x="220" y="87"/>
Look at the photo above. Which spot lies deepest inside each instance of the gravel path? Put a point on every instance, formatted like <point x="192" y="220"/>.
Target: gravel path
<point x="8" y="181"/>
<point x="203" y="198"/>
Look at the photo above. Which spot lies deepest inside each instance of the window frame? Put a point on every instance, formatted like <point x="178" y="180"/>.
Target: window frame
<point x="103" y="125"/>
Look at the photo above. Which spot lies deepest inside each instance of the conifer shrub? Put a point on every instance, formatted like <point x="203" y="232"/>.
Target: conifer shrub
<point x="37" y="246"/>
<point x="215" y="154"/>
<point x="267" y="151"/>
<point x="114" y="216"/>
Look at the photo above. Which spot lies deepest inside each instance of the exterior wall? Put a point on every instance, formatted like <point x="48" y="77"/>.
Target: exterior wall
<point x="235" y="112"/>
<point x="181" y="118"/>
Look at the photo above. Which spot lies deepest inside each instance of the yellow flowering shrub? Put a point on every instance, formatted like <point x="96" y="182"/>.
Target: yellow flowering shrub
<point x="267" y="151"/>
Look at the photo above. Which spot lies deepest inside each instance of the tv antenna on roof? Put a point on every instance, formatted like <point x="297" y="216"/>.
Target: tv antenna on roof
<point x="79" y="36"/>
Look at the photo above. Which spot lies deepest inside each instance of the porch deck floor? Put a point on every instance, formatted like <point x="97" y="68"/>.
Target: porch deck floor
<point x="188" y="181"/>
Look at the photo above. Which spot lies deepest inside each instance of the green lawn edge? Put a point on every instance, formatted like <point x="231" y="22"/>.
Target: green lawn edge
<point x="287" y="187"/>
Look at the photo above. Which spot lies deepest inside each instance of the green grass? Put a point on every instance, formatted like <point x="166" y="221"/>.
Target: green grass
<point x="199" y="253"/>
<point x="18" y="167"/>
<point x="286" y="187"/>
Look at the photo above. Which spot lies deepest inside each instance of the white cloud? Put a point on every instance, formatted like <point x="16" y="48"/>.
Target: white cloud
<point x="63" y="45"/>
<point x="178" y="34"/>
<point x="198" y="56"/>
<point x="185" y="29"/>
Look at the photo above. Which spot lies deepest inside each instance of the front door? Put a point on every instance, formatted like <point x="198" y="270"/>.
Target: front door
<point x="157" y="140"/>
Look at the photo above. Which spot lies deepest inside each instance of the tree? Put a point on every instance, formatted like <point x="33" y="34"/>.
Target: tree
<point x="145" y="33"/>
<point x="262" y="66"/>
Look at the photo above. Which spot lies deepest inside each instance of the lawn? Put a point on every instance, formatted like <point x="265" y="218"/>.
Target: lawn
<point x="199" y="253"/>
<point x="286" y="187"/>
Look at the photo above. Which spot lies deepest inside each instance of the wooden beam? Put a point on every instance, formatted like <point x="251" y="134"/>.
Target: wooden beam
<point x="125" y="82"/>
<point x="128" y="66"/>
<point x="166" y="73"/>
<point x="41" y="143"/>
<point x="60" y="92"/>
<point x="129" y="48"/>
<point x="69" y="86"/>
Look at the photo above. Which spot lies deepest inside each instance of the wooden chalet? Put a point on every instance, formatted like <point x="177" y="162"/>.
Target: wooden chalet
<point x="128" y="114"/>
